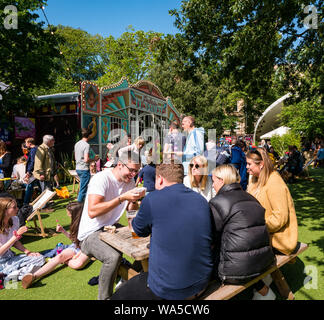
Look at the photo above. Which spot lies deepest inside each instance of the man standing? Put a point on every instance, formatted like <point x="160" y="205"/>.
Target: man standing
<point x="181" y="260"/>
<point x="109" y="193"/>
<point x="81" y="154"/>
<point x="44" y="166"/>
<point x="30" y="144"/>
<point x="194" y="143"/>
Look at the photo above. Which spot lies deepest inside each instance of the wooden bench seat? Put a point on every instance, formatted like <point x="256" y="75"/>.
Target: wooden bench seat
<point x="217" y="292"/>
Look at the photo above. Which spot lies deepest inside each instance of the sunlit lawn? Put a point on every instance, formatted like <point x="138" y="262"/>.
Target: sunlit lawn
<point x="68" y="284"/>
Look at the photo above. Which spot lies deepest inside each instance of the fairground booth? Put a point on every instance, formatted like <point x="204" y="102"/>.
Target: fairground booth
<point x="121" y="109"/>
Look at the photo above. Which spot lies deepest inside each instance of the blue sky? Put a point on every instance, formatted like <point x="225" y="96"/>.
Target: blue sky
<point x="112" y="17"/>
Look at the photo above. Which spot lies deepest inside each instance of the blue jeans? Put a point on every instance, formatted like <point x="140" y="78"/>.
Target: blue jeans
<point x="84" y="176"/>
<point x="29" y="191"/>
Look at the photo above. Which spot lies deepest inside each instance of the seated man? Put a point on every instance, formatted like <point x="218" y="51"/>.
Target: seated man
<point x="179" y="220"/>
<point x="109" y="193"/>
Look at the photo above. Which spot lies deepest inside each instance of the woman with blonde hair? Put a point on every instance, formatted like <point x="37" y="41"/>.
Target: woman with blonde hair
<point x="134" y="148"/>
<point x="244" y="250"/>
<point x="267" y="186"/>
<point x="198" y="179"/>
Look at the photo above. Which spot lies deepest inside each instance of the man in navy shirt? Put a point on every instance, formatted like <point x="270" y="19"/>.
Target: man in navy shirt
<point x="179" y="221"/>
<point x="30" y="144"/>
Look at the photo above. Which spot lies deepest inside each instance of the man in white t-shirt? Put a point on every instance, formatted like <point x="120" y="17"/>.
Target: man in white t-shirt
<point x="82" y="159"/>
<point x="110" y="192"/>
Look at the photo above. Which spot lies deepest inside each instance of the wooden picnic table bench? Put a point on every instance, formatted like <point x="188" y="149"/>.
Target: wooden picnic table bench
<point x="215" y="291"/>
<point x="137" y="249"/>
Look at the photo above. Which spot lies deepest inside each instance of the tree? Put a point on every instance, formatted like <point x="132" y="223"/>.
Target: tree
<point x="27" y="55"/>
<point x="212" y="106"/>
<point x="305" y="118"/>
<point x="281" y="143"/>
<point x="132" y="55"/>
<point x="83" y="57"/>
<point x="244" y="41"/>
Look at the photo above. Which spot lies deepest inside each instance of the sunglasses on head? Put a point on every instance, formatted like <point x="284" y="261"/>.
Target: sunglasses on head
<point x="197" y="166"/>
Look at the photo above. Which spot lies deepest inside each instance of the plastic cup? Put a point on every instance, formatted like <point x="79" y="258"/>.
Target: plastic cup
<point x="131" y="214"/>
<point x="141" y="190"/>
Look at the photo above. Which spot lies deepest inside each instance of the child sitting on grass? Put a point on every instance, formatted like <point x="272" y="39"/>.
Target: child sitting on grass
<point x="11" y="265"/>
<point x="72" y="255"/>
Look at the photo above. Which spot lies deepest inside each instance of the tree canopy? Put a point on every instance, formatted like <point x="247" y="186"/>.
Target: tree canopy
<point x="244" y="41"/>
<point x="225" y="51"/>
<point x="27" y="56"/>
<point x="132" y="55"/>
<point x="82" y="57"/>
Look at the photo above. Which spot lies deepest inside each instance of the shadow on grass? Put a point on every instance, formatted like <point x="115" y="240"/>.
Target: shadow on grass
<point x="315" y="260"/>
<point x="309" y="202"/>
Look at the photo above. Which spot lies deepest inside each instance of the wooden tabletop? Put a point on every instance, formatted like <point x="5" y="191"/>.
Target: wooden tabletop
<point x="122" y="240"/>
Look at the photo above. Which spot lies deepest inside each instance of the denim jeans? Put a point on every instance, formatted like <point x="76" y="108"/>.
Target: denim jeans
<point x="84" y="176"/>
<point x="29" y="191"/>
<point x="93" y="246"/>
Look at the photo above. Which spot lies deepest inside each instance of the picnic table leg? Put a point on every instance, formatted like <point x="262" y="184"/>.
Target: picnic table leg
<point x="282" y="285"/>
<point x="145" y="265"/>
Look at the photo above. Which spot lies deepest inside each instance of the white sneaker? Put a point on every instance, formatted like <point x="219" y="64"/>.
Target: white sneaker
<point x="120" y="282"/>
<point x="269" y="296"/>
<point x="267" y="280"/>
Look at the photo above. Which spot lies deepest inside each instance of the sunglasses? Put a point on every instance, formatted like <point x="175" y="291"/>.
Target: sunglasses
<point x="197" y="166"/>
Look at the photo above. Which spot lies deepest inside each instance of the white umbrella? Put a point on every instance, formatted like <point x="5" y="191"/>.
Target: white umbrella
<point x="3" y="87"/>
<point x="279" y="131"/>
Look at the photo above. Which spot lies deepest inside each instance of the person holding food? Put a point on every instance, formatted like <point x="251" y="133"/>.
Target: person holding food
<point x="109" y="193"/>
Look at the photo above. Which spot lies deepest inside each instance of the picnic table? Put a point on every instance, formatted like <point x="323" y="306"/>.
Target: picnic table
<point x="137" y="249"/>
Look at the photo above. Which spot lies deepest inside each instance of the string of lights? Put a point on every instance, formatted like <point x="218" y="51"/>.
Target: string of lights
<point x="50" y="28"/>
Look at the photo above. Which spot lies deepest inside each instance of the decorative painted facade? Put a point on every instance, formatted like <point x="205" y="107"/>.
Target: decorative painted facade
<point x="136" y="109"/>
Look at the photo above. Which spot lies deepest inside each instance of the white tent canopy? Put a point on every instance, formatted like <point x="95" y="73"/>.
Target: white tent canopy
<point x="269" y="120"/>
<point x="3" y="87"/>
<point x="279" y="131"/>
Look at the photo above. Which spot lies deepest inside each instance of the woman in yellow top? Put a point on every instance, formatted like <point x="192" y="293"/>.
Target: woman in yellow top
<point x="267" y="186"/>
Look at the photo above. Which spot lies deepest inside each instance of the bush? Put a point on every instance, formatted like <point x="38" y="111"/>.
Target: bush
<point x="281" y="143"/>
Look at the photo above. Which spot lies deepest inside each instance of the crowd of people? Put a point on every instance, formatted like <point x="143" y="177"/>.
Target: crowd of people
<point x="217" y="212"/>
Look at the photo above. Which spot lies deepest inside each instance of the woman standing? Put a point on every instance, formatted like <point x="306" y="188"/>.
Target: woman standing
<point x="198" y="179"/>
<point x="267" y="186"/>
<point x="135" y="148"/>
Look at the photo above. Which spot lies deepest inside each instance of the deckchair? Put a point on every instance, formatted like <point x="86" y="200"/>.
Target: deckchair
<point x="76" y="180"/>
<point x="38" y="204"/>
<point x="74" y="175"/>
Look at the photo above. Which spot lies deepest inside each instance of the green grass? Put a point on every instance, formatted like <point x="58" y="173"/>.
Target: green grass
<point x="67" y="284"/>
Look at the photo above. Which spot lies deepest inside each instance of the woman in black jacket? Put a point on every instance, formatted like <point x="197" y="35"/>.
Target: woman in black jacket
<point x="245" y="250"/>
